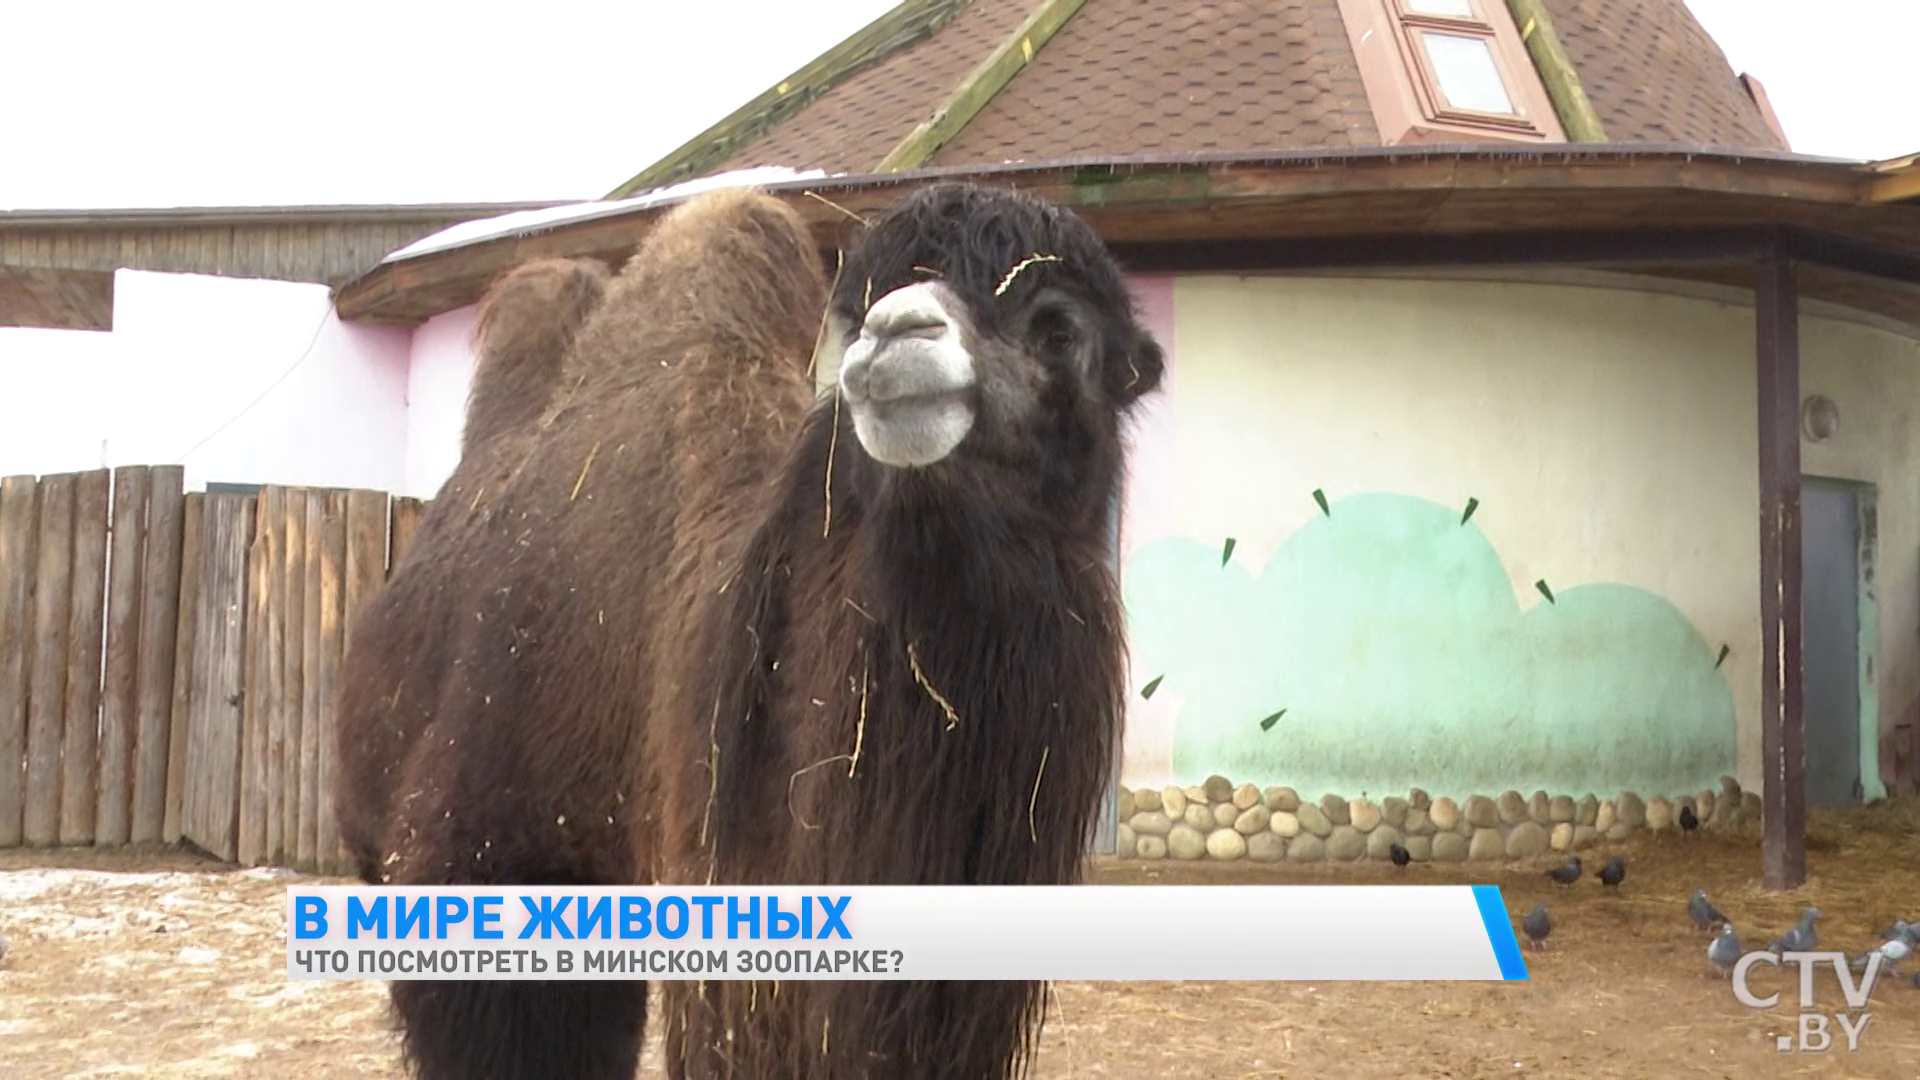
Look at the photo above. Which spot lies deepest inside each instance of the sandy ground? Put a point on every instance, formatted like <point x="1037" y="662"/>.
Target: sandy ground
<point x="158" y="964"/>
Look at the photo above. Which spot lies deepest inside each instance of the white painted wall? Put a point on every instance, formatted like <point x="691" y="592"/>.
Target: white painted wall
<point x="241" y="381"/>
<point x="54" y="388"/>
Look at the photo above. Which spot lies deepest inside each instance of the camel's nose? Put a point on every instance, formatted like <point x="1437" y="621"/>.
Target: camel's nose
<point x="909" y="346"/>
<point x="914" y="311"/>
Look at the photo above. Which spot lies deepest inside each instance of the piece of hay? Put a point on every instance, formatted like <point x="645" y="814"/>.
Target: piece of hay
<point x="588" y="464"/>
<point x="1034" y="799"/>
<point x="913" y="659"/>
<point x="1007" y="282"/>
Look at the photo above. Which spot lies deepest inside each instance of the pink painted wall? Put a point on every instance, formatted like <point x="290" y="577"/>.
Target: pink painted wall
<point x="440" y="371"/>
<point x="1151" y="495"/>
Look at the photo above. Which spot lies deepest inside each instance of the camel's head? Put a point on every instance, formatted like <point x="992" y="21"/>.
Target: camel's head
<point x="988" y="327"/>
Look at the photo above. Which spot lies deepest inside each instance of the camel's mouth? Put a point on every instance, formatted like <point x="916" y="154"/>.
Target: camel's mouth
<point x="914" y="431"/>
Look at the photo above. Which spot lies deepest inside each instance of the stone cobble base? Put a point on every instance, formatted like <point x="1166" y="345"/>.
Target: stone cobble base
<point x="1223" y="821"/>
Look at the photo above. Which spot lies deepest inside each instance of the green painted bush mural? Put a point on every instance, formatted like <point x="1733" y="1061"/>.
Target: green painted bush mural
<point x="1382" y="647"/>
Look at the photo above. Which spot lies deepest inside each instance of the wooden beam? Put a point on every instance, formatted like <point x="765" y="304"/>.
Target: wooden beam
<point x="1782" y="736"/>
<point x="1895" y="186"/>
<point x="1557" y="73"/>
<point x="1519" y="247"/>
<point x="903" y="27"/>
<point x="978" y="88"/>
<point x="1856" y="256"/>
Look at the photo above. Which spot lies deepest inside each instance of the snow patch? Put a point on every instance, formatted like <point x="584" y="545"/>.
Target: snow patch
<point x="521" y="222"/>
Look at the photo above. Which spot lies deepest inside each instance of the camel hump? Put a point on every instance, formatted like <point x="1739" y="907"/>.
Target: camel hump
<point x="734" y="272"/>
<point x="521" y="338"/>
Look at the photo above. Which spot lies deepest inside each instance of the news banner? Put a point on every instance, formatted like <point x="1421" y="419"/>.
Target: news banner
<point x="1085" y="932"/>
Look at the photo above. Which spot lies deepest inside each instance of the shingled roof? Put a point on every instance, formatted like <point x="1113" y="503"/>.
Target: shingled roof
<point x="979" y="82"/>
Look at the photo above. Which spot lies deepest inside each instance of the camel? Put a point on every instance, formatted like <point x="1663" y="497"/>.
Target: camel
<point x="718" y="627"/>
<point x="521" y="336"/>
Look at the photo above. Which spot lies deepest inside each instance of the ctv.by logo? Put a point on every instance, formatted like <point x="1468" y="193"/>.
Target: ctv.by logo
<point x="1812" y="1035"/>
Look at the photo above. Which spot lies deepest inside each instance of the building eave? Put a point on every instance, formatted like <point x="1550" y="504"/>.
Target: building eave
<point x="1371" y="191"/>
<point x="195" y="216"/>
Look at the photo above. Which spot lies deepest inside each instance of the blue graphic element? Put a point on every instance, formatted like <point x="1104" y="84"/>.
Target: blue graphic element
<point x="1506" y="947"/>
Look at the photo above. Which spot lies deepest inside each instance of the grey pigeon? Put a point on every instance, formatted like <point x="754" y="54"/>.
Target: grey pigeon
<point x="1892" y="951"/>
<point x="1725" y="950"/>
<point x="1568" y="872"/>
<point x="1801" y="937"/>
<point x="1704" y="914"/>
<point x="1537" y="925"/>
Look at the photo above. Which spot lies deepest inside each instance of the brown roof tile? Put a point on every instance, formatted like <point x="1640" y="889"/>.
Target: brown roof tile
<point x="851" y="127"/>
<point x="1137" y="76"/>
<point x="1655" y="75"/>
<point x="1176" y="76"/>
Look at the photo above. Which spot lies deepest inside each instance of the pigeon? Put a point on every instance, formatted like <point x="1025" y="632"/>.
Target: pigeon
<point x="1704" y="914"/>
<point x="1892" y="951"/>
<point x="1568" y="872"/>
<point x="1400" y="855"/>
<point x="1537" y="925"/>
<point x="1689" y="821"/>
<point x="1725" y="950"/>
<point x="1801" y="937"/>
<point x="1614" y="872"/>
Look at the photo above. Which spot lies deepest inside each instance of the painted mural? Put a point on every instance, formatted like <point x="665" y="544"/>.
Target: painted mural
<point x="1382" y="647"/>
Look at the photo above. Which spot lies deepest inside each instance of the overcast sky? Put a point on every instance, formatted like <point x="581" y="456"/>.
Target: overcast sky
<point x="199" y="103"/>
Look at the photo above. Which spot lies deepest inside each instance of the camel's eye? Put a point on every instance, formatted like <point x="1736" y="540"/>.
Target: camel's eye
<point x="1054" y="332"/>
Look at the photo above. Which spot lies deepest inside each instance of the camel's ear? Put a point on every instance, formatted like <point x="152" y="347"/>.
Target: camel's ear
<point x="1139" y="372"/>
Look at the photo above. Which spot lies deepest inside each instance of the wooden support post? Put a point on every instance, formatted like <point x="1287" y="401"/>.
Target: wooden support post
<point x="1782" y="737"/>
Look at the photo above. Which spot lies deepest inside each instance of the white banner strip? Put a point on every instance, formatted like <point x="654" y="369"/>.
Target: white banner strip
<point x="1085" y="932"/>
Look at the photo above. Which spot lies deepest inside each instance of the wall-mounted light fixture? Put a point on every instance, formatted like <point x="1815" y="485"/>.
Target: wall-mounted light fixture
<point x="1819" y="417"/>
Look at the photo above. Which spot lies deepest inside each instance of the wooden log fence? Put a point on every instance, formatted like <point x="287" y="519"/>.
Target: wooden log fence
<point x="168" y="659"/>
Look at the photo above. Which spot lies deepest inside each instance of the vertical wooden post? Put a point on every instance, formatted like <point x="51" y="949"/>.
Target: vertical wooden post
<point x="293" y="590"/>
<point x="159" y="650"/>
<point x="86" y="623"/>
<point x="251" y="845"/>
<point x="273" y="525"/>
<point x="186" y="643"/>
<point x="306" y="841"/>
<point x="19" y="538"/>
<point x="332" y="626"/>
<point x="1782" y="735"/>
<point x="120" y="700"/>
<point x="47" y="684"/>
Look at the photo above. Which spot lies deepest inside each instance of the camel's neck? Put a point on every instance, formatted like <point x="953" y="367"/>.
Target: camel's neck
<point x="965" y="651"/>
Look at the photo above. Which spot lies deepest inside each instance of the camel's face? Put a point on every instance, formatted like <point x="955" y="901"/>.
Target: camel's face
<point x="925" y="371"/>
<point x="990" y="332"/>
<point x="908" y="378"/>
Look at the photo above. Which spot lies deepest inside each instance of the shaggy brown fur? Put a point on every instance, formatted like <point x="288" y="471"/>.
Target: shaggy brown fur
<point x="526" y="325"/>
<point x="701" y="636"/>
<point x="527" y="321"/>
<point x="519" y="627"/>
